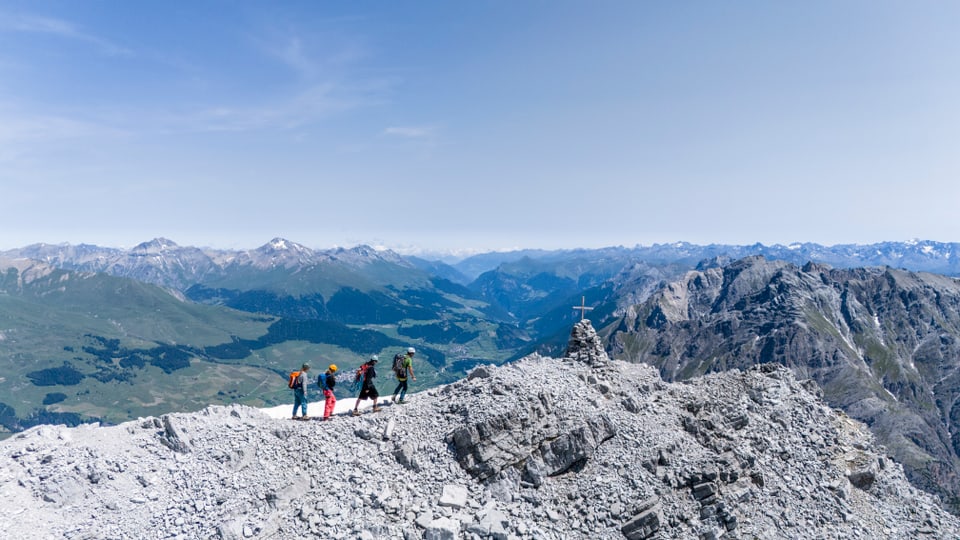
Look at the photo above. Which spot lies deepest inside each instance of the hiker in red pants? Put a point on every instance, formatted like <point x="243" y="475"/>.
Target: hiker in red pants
<point x="326" y="381"/>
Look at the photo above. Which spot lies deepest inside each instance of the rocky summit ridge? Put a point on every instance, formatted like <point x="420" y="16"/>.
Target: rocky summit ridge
<point x="883" y="345"/>
<point x="579" y="447"/>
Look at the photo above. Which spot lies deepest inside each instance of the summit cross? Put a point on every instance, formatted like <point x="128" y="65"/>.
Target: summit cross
<point x="583" y="307"/>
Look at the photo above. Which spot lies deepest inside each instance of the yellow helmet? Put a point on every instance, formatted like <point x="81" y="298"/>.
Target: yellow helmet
<point x="333" y="367"/>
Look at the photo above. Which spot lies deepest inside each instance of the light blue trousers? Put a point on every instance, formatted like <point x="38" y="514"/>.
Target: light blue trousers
<point x="299" y="400"/>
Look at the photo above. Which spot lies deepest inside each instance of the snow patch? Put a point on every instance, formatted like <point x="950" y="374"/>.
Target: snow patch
<point x="876" y="324"/>
<point x="315" y="408"/>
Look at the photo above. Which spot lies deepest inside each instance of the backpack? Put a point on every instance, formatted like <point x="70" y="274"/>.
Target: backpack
<point x="324" y="381"/>
<point x="398" y="368"/>
<point x="293" y="382"/>
<point x="359" y="376"/>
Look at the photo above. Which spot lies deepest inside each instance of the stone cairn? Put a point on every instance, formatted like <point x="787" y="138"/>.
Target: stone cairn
<point x="585" y="346"/>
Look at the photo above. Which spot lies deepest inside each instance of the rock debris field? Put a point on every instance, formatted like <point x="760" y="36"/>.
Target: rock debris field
<point x="543" y="448"/>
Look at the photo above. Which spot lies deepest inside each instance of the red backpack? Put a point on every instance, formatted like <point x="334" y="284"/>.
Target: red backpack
<point x="361" y="372"/>
<point x="359" y="376"/>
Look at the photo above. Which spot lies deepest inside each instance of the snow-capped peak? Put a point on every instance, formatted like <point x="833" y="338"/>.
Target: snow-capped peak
<point x="155" y="245"/>
<point x="282" y="244"/>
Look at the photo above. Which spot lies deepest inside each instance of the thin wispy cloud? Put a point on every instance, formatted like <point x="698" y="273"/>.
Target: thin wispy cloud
<point x="410" y="132"/>
<point x="20" y="127"/>
<point x="25" y="135"/>
<point x="58" y="28"/>
<point x="322" y="82"/>
<point x="292" y="54"/>
<point x="308" y="106"/>
<point x="312" y="58"/>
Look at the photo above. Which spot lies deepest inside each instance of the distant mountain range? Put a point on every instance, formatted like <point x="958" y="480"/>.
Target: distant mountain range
<point x="917" y="255"/>
<point x="181" y="266"/>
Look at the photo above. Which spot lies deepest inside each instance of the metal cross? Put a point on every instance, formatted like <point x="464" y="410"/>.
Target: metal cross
<point x="583" y="307"/>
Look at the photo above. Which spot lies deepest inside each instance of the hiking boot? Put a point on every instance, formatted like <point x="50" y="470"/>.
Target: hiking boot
<point x="376" y="409"/>
<point x="294" y="417"/>
<point x="401" y="401"/>
<point x="355" y="413"/>
<point x="305" y="417"/>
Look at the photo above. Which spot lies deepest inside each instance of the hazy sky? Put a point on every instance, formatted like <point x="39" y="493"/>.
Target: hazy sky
<point x="480" y="124"/>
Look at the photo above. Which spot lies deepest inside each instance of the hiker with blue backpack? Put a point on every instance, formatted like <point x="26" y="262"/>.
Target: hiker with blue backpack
<point x="402" y="368"/>
<point x="326" y="381"/>
<point x="364" y="379"/>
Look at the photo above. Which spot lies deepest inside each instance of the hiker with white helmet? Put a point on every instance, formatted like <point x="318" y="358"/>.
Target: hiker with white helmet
<point x="402" y="368"/>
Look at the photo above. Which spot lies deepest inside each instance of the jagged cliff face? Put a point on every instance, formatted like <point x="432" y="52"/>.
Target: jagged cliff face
<point x="883" y="344"/>
<point x="580" y="447"/>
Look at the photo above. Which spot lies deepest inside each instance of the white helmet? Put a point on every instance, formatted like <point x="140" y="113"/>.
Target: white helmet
<point x="411" y="350"/>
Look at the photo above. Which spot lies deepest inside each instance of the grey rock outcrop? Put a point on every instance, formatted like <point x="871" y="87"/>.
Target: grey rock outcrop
<point x="170" y="438"/>
<point x="882" y="344"/>
<point x="646" y="522"/>
<point x="537" y="449"/>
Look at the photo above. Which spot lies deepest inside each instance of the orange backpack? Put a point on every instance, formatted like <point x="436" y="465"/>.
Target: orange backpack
<point x="293" y="380"/>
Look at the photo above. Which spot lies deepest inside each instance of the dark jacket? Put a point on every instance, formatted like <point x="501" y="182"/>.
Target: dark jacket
<point x="369" y="376"/>
<point x="326" y="381"/>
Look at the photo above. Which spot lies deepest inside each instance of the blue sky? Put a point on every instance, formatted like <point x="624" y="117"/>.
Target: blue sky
<point x="478" y="125"/>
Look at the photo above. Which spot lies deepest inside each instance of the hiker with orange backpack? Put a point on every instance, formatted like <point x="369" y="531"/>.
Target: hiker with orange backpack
<point x="298" y="382"/>
<point x="326" y="381"/>
<point x="364" y="377"/>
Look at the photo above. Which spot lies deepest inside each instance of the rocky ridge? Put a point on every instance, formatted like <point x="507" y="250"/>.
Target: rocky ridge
<point x="579" y="447"/>
<point x="883" y="344"/>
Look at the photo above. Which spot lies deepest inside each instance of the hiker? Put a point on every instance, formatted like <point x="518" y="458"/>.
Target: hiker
<point x="402" y="368"/>
<point x="298" y="381"/>
<point x="366" y="374"/>
<point x="326" y="381"/>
